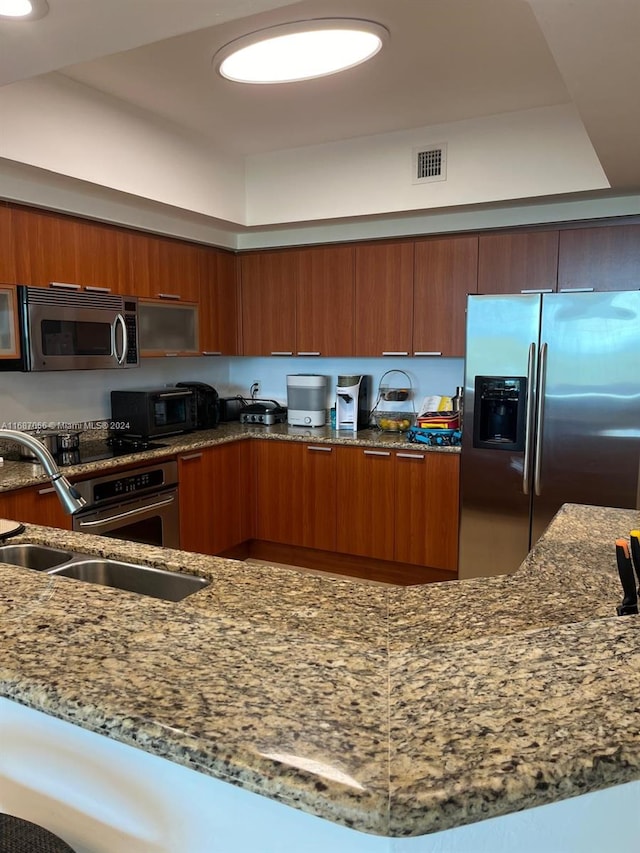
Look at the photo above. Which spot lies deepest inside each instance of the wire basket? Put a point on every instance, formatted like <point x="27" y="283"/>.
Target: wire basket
<point x="394" y="409"/>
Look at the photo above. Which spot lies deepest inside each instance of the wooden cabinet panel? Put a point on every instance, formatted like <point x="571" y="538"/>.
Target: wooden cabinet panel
<point x="296" y="494"/>
<point x="446" y="271"/>
<point x="165" y="269"/>
<point x="515" y="262"/>
<point x="45" y="248"/>
<point x="365" y="502"/>
<point x="102" y="257"/>
<point x="35" y="505"/>
<point x="219" y="318"/>
<point x="214" y="485"/>
<point x="384" y="298"/>
<point x="604" y="258"/>
<point x="325" y="301"/>
<point x="426" y="503"/>
<point x="269" y="284"/>
<point x="7" y="258"/>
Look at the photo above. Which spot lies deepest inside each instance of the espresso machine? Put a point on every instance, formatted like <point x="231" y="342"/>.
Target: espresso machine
<point x="352" y="402"/>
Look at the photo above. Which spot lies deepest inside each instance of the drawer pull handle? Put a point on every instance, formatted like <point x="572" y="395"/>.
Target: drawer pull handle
<point x="426" y="352"/>
<point x="169" y="296"/>
<point x="45" y="491"/>
<point x="377" y="452"/>
<point x="410" y="455"/>
<point x="390" y="352"/>
<point x="321" y="449"/>
<point x="212" y="352"/>
<point x="191" y="456"/>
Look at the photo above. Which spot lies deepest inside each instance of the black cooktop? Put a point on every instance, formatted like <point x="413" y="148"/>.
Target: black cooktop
<point x="91" y="451"/>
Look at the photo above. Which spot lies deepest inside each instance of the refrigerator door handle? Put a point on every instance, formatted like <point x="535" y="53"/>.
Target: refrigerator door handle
<point x="531" y="365"/>
<point x="542" y="379"/>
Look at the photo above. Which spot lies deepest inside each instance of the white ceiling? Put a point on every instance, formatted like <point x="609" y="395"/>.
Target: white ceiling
<point x="446" y="61"/>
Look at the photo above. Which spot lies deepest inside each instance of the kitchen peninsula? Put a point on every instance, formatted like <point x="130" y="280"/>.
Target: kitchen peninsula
<point x="381" y="715"/>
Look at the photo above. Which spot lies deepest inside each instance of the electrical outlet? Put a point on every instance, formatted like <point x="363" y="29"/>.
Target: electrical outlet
<point x="254" y="391"/>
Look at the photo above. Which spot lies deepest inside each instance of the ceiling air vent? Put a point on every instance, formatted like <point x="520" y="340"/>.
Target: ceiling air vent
<point x="430" y="163"/>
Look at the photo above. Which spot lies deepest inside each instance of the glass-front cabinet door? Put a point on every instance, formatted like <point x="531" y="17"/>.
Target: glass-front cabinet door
<point x="167" y="328"/>
<point x="9" y="341"/>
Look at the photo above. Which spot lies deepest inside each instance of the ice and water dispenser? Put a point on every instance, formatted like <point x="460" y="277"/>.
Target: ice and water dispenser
<point x="500" y="404"/>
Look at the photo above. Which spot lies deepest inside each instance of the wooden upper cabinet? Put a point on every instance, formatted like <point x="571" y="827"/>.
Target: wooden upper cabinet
<point x="218" y="302"/>
<point x="45" y="248"/>
<point x="446" y="271"/>
<point x="102" y="258"/>
<point x="269" y="284"/>
<point x="516" y="262"/>
<point x="7" y="258"/>
<point x="166" y="269"/>
<point x="325" y="301"/>
<point x="384" y="298"/>
<point x="602" y="258"/>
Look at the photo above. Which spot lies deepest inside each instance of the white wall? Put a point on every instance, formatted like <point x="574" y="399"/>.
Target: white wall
<point x="55" y="123"/>
<point x="525" y="154"/>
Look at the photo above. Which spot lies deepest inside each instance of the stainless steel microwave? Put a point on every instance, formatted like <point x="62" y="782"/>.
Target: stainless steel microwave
<point x="72" y="330"/>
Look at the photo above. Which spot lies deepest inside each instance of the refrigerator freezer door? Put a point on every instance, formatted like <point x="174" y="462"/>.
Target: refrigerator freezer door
<point x="502" y="341"/>
<point x="588" y="447"/>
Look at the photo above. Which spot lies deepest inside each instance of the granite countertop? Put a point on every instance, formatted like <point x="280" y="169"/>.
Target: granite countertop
<point x="396" y="711"/>
<point x="19" y="474"/>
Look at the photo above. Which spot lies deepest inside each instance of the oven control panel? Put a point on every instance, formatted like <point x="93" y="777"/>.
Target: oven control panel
<point x="125" y="484"/>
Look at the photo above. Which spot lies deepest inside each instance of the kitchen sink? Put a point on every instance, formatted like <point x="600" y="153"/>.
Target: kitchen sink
<point x="146" y="580"/>
<point x="37" y="557"/>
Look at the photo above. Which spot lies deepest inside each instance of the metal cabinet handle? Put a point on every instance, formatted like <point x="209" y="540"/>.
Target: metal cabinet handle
<point x="191" y="456"/>
<point x="46" y="491"/>
<point x="322" y="449"/>
<point x="102" y="521"/>
<point x="283" y="352"/>
<point x="426" y="352"/>
<point x="306" y="353"/>
<point x="377" y="452"/>
<point x="528" y="422"/>
<point x="170" y="354"/>
<point x="417" y="456"/>
<point x="538" y="290"/>
<point x="92" y="288"/>
<point x="390" y="352"/>
<point x="169" y="296"/>
<point x="212" y="352"/>
<point x="63" y="285"/>
<point x="576" y="290"/>
<point x="542" y="381"/>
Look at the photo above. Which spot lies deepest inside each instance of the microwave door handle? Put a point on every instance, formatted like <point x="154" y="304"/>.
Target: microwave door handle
<point x="125" y="343"/>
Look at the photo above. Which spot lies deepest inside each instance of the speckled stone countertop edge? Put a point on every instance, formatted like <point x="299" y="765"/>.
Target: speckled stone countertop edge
<point x="21" y="474"/>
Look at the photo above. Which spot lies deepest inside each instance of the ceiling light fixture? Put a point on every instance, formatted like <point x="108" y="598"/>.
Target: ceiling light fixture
<point x="300" y="51"/>
<point x="23" y="10"/>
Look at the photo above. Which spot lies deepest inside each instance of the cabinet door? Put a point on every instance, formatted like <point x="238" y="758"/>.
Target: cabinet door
<point x="35" y="505"/>
<point x="446" y="271"/>
<point x="213" y="488"/>
<point x="426" y="501"/>
<point x="518" y="262"/>
<point x="102" y="258"/>
<point x="601" y="258"/>
<point x="365" y="502"/>
<point x="167" y="328"/>
<point x="9" y="340"/>
<point x="269" y="285"/>
<point x="7" y="244"/>
<point x="325" y="302"/>
<point x="219" y="303"/>
<point x="166" y="269"/>
<point x="46" y="248"/>
<point x="384" y="299"/>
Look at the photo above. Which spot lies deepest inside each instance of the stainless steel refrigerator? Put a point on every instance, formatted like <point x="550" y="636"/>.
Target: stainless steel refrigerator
<point x="551" y="416"/>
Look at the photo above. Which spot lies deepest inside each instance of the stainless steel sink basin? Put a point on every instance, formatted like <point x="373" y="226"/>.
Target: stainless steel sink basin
<point x="146" y="580"/>
<point x="29" y="556"/>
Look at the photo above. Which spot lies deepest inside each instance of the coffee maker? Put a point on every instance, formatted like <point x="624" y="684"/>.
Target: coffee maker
<point x="352" y="402"/>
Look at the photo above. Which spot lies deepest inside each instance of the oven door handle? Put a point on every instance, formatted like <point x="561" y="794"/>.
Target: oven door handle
<point x="138" y="511"/>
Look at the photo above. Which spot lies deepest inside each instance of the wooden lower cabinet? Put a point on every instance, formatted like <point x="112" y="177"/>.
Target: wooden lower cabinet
<point x="34" y="505"/>
<point x="215" y="497"/>
<point x="400" y="506"/>
<point x="296" y="494"/>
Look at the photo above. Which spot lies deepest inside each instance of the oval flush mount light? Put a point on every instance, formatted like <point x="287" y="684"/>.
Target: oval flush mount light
<point x="300" y="51"/>
<point x="23" y="10"/>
